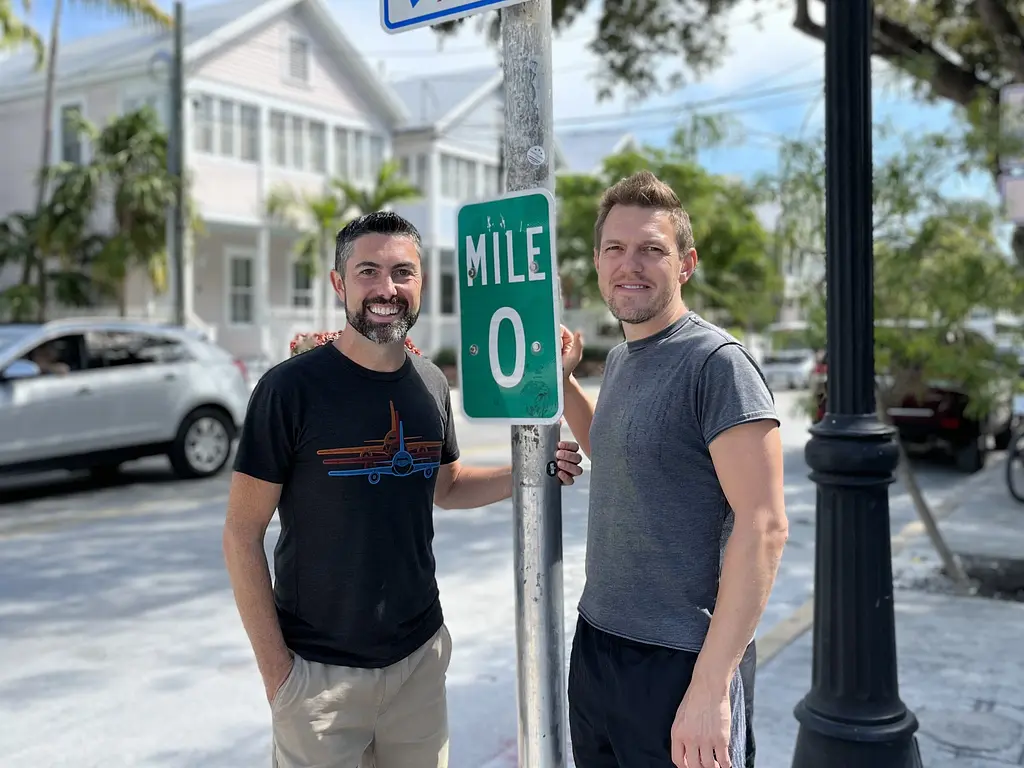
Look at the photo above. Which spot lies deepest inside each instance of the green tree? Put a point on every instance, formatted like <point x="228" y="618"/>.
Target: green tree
<point x="735" y="275"/>
<point x="318" y="217"/>
<point x="15" y="33"/>
<point x="129" y="170"/>
<point x="144" y="11"/>
<point x="937" y="258"/>
<point x="960" y="53"/>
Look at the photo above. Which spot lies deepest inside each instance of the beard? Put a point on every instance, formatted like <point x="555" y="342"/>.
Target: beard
<point x="393" y="332"/>
<point x="638" y="309"/>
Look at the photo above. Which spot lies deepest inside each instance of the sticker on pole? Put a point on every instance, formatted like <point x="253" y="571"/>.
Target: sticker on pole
<point x="510" y="350"/>
<point x="402" y="15"/>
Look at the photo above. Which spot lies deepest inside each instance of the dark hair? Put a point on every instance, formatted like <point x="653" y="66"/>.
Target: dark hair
<point x="376" y="223"/>
<point x="645" y="190"/>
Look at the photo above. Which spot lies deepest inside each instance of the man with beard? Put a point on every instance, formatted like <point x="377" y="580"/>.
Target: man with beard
<point x="353" y="442"/>
<point x="687" y="518"/>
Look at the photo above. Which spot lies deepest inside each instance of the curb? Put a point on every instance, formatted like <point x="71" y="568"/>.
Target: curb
<point x="775" y="640"/>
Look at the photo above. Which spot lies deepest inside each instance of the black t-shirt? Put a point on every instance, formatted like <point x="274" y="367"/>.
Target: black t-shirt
<point x="357" y="453"/>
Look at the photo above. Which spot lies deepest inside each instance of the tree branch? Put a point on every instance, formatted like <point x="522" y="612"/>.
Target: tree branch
<point x="1006" y="33"/>
<point x="903" y="49"/>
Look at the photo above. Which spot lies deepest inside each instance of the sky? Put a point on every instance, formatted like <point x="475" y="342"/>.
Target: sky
<point x="770" y="80"/>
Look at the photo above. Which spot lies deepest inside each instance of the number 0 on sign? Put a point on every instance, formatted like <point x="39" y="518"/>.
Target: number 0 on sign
<point x="510" y="361"/>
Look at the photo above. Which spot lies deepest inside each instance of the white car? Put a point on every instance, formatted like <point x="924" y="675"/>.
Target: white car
<point x="789" y="369"/>
<point x="93" y="394"/>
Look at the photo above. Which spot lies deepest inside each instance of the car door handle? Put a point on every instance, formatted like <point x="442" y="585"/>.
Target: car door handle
<point x="170" y="376"/>
<point x="85" y="391"/>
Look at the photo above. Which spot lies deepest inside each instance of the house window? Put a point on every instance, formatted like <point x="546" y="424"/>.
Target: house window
<point x="448" y="171"/>
<point x="298" y="59"/>
<point x="249" y="124"/>
<point x="227" y="128"/>
<point x="360" y="172"/>
<point x="376" y="155"/>
<point x="318" y="147"/>
<point x="447" y="294"/>
<point x="422" y="172"/>
<point x="279" y="139"/>
<point x="298" y="126"/>
<point x="204" y="124"/>
<point x="241" y="290"/>
<point x="341" y="166"/>
<point x="302" y="285"/>
<point x="70" y="139"/>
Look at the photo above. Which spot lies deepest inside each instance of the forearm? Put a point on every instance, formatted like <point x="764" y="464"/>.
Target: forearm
<point x="749" y="567"/>
<point x="476" y="487"/>
<point x="578" y="413"/>
<point x="254" y="596"/>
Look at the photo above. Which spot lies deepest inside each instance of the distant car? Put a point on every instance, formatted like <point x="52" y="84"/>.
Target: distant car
<point x="938" y="420"/>
<point x="789" y="368"/>
<point x="92" y="394"/>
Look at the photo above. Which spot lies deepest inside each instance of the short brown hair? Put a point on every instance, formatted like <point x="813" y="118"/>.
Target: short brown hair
<point x="645" y="190"/>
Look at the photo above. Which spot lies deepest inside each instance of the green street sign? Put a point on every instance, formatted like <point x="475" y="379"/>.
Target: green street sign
<point x="510" y="362"/>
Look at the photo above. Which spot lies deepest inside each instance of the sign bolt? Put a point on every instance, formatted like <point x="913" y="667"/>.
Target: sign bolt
<point x="534" y="266"/>
<point x="471" y="273"/>
<point x="473" y="349"/>
<point x="535" y="347"/>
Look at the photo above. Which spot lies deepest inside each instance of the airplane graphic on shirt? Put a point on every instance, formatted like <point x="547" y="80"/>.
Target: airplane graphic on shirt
<point x="394" y="455"/>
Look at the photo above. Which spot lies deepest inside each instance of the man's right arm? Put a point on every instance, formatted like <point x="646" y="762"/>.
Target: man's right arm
<point x="262" y="465"/>
<point x="251" y="505"/>
<point x="578" y="413"/>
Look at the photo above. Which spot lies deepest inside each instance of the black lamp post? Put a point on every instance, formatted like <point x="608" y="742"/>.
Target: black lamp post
<point x="853" y="716"/>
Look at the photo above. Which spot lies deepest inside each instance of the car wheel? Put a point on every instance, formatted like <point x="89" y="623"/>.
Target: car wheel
<point x="203" y="444"/>
<point x="971" y="457"/>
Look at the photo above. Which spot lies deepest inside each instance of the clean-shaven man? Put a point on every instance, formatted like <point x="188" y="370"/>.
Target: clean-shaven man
<point x="687" y="520"/>
<point x="353" y="443"/>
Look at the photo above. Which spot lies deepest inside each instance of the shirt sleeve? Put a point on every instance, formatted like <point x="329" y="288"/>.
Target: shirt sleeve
<point x="450" y="448"/>
<point x="267" y="441"/>
<point x="731" y="390"/>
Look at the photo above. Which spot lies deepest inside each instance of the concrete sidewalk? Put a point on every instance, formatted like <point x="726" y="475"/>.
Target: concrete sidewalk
<point x="961" y="659"/>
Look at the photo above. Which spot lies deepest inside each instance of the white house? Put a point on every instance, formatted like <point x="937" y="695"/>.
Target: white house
<point x="276" y="96"/>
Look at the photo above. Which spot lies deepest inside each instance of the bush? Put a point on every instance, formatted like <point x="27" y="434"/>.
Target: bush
<point x="445" y="357"/>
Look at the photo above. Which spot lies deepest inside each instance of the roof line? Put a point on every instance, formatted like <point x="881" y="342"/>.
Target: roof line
<point x="461" y="109"/>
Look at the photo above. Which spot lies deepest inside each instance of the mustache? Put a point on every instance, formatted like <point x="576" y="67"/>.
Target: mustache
<point x="394" y="302"/>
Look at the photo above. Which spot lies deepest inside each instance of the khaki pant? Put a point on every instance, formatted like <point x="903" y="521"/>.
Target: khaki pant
<point x="341" y="717"/>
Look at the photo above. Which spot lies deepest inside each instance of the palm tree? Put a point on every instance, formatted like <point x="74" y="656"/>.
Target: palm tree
<point x="317" y="218"/>
<point x="390" y="187"/>
<point x="15" y="33"/>
<point x="145" y="11"/>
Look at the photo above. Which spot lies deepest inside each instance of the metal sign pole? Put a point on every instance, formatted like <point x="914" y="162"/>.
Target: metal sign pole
<point x="536" y="495"/>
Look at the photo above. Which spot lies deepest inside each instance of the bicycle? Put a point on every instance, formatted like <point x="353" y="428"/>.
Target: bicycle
<point x="1015" y="453"/>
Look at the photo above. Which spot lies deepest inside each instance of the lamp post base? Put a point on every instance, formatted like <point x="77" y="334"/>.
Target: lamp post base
<point x="825" y="742"/>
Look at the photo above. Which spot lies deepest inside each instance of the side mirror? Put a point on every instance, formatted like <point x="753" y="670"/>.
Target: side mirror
<point x="21" y="369"/>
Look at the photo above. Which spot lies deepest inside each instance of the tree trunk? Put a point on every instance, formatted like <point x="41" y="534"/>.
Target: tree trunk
<point x="905" y="474"/>
<point x="42" y="185"/>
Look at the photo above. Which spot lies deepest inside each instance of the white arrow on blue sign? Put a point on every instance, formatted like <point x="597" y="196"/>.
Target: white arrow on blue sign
<point x="402" y="15"/>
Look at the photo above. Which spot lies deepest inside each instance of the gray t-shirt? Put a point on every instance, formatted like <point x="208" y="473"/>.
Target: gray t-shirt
<point x="659" y="519"/>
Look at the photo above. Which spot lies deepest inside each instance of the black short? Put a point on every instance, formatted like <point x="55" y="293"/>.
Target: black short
<point x="623" y="697"/>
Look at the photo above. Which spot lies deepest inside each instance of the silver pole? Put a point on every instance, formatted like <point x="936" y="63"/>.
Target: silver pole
<point x="176" y="154"/>
<point x="536" y="496"/>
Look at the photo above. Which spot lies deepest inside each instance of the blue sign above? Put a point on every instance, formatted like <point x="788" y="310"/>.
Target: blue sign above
<point x="403" y="15"/>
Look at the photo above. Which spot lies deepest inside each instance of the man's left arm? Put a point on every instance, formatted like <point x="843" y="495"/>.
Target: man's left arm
<point x="741" y="429"/>
<point x="461" y="487"/>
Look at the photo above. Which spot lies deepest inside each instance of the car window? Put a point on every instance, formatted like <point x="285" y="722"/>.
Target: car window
<point x="58" y="356"/>
<point x="107" y="349"/>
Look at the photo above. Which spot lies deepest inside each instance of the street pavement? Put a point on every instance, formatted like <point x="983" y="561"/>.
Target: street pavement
<point x="961" y="664"/>
<point x="120" y="644"/>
